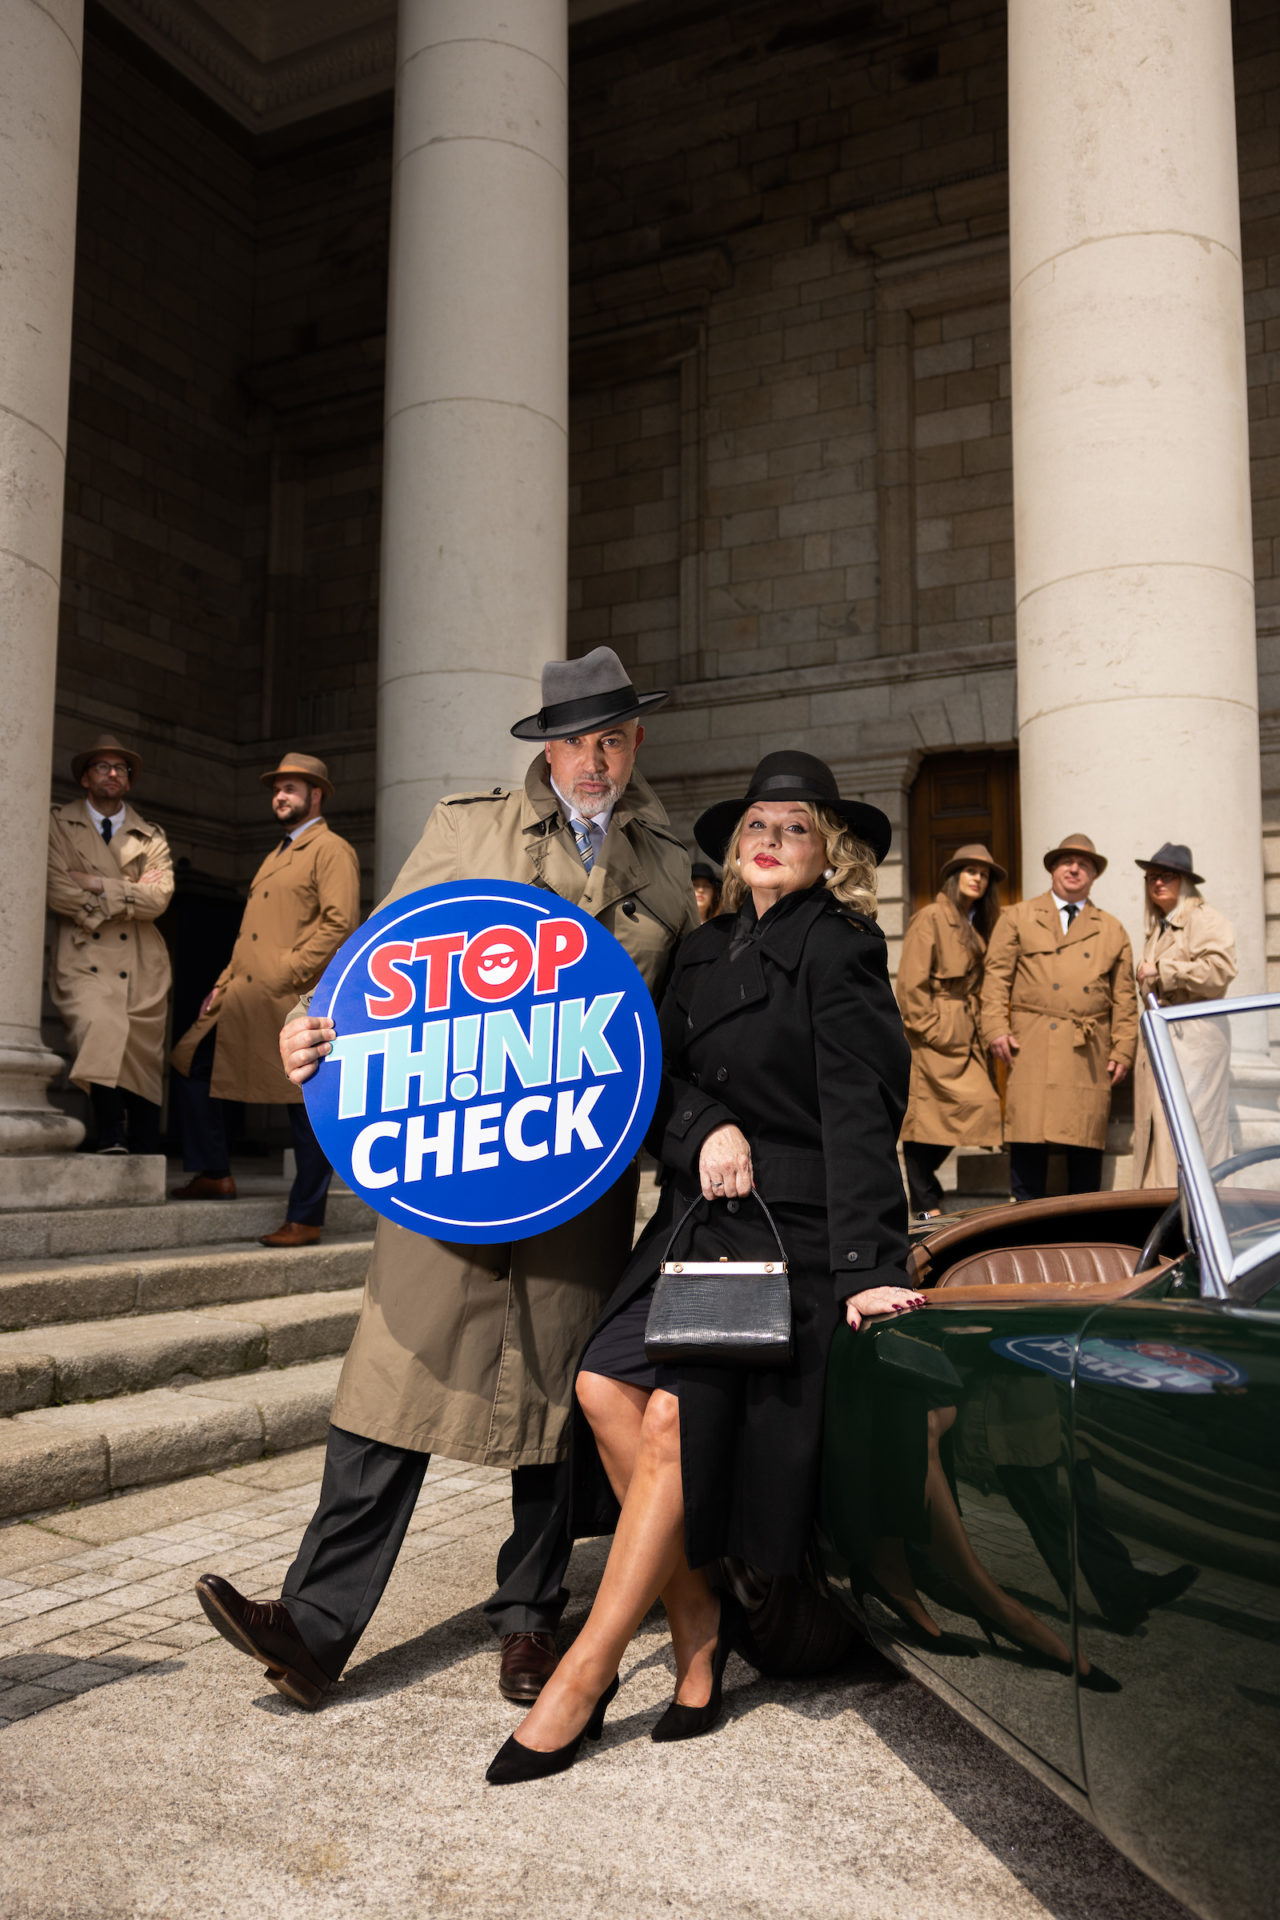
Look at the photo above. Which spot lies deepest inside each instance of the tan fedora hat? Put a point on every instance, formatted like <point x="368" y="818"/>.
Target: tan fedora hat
<point x="1075" y="843"/>
<point x="974" y="855"/>
<point x="307" y="768"/>
<point x="106" y="743"/>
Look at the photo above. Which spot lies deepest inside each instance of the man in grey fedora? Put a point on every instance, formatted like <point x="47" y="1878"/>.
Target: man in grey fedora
<point x="471" y="1351"/>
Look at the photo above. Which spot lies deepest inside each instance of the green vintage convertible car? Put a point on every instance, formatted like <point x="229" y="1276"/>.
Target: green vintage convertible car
<point x="1053" y="1496"/>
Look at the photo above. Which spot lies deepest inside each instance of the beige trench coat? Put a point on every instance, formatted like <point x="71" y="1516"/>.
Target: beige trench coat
<point x="953" y="1099"/>
<point x="1196" y="960"/>
<point x="471" y="1351"/>
<point x="304" y="901"/>
<point x="109" y="968"/>
<point x="1069" y="1000"/>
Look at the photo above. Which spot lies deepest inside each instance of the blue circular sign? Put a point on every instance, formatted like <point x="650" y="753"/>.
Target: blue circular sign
<point x="496" y="1063"/>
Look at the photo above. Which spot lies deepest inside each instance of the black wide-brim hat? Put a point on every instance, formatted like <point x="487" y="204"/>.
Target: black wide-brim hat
<point x="1176" y="858"/>
<point x="582" y="696"/>
<point x="791" y="775"/>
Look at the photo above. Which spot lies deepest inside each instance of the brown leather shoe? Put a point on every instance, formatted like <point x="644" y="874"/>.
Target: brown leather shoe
<point x="528" y="1662"/>
<point x="292" y="1234"/>
<point x="264" y="1630"/>
<point x="203" y="1188"/>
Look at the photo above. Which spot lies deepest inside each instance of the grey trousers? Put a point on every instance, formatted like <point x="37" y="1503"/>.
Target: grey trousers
<point x="366" y="1499"/>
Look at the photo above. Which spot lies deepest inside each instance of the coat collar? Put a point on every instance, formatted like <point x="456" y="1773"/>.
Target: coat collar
<point x="74" y="814"/>
<point x="618" y="872"/>
<point x="279" y="856"/>
<point x="733" y="985"/>
<point x="1086" y="922"/>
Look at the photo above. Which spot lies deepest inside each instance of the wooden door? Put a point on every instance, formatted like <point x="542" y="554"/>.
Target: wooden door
<point x="956" y="798"/>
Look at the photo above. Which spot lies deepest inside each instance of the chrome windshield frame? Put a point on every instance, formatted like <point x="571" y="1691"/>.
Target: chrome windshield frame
<point x="1219" y="1267"/>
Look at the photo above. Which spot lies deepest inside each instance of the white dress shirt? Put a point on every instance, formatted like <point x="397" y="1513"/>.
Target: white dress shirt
<point x="1062" y="906"/>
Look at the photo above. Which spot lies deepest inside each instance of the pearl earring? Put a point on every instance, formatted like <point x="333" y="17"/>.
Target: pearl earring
<point x="830" y="874"/>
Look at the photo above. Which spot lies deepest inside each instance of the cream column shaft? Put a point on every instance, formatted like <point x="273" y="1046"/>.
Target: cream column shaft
<point x="39" y="150"/>
<point x="1137" y="674"/>
<point x="475" y="488"/>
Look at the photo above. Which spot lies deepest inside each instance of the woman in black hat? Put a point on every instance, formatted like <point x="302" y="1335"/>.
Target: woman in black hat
<point x="786" y="1069"/>
<point x="1189" y="955"/>
<point x="706" y="889"/>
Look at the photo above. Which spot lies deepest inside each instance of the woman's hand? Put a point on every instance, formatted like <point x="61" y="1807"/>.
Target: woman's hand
<point x="724" y="1165"/>
<point x="880" y="1303"/>
<point x="304" y="1042"/>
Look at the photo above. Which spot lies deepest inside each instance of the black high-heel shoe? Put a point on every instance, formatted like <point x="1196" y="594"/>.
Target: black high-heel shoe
<point x="685" y="1723"/>
<point x="512" y="1763"/>
<point x="1095" y="1681"/>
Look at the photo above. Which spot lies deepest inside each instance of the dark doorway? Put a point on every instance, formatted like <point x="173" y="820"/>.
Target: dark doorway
<point x="958" y="797"/>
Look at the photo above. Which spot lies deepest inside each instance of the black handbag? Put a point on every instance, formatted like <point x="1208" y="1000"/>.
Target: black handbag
<point x="727" y="1313"/>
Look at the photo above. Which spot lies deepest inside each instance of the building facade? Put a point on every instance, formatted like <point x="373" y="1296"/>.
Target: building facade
<point x="898" y="380"/>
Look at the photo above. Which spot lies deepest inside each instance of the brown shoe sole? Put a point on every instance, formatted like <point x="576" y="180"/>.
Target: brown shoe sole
<point x="286" y="1680"/>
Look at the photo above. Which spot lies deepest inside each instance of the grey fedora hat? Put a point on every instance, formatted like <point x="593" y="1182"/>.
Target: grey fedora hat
<point x="1176" y="858"/>
<point x="581" y="696"/>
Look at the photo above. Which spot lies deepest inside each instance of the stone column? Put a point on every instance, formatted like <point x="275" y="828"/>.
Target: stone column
<point x="39" y="150"/>
<point x="475" y="468"/>
<point x="1137" y="672"/>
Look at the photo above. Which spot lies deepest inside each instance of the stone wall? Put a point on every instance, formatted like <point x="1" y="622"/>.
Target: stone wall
<point x="790" y="467"/>
<point x="156" y="641"/>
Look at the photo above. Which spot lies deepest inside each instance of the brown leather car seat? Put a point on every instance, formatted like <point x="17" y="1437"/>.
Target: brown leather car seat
<point x="1061" y="1267"/>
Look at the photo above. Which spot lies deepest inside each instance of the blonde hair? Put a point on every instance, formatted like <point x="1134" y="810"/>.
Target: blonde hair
<point x="1152" y="918"/>
<point x="852" y="864"/>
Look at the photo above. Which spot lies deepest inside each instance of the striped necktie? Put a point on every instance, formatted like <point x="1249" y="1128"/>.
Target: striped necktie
<point x="586" y="845"/>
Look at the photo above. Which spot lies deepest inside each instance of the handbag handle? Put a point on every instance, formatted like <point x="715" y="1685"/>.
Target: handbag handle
<point x="696" y="1201"/>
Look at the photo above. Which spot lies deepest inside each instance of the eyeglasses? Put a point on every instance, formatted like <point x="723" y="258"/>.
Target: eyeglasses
<point x="108" y="766"/>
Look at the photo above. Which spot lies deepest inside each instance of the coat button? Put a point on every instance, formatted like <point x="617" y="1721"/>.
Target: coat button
<point x="249" y="978"/>
<point x="93" y="969"/>
<point x="97" y="936"/>
<point x="123" y="936"/>
<point x="852" y="1258"/>
<point x="253" y="936"/>
<point x="124" y="976"/>
<point x="688" y="1115"/>
<point x="1055" y="986"/>
<point x="1053" y="1026"/>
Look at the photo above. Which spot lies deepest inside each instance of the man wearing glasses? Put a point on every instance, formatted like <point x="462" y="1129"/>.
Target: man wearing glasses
<point x="110" y="877"/>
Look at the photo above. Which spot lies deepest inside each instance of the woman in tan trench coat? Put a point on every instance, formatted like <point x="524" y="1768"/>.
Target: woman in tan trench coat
<point x="1189" y="955"/>
<point x="953" y="1101"/>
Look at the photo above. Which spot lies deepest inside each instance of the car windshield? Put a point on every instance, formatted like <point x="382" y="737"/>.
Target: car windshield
<point x="1218" y="1068"/>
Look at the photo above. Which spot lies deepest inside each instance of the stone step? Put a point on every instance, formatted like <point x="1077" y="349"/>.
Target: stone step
<point x="50" y="1292"/>
<point x="51" y="1234"/>
<point x="99" y="1359"/>
<point x="54" y="1455"/>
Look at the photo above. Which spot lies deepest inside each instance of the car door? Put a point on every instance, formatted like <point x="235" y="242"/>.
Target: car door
<point x="946" y="1514"/>
<point x="1176" y="1458"/>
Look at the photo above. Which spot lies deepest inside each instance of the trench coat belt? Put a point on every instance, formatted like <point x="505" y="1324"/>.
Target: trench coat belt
<point x="1085" y="1024"/>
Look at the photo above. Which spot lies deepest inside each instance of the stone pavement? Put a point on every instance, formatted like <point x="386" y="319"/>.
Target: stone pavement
<point x="146" y="1769"/>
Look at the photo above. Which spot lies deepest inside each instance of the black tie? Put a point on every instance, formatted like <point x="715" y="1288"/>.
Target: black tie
<point x="286" y="842"/>
<point x="1072" y="910"/>
<point x="106" y="831"/>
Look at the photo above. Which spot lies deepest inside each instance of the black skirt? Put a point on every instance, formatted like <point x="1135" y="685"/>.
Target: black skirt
<point x="750" y="1441"/>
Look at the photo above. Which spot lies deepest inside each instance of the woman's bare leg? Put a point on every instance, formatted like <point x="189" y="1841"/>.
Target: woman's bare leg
<point x="646" y="1559"/>
<point x="615" y="1411"/>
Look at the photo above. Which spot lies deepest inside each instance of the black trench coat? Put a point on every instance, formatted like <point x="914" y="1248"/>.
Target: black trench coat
<point x="798" y="1040"/>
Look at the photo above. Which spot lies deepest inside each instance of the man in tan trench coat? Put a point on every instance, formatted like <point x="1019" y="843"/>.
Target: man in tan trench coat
<point x="471" y="1351"/>
<point x="110" y="876"/>
<point x="1058" y="1005"/>
<point x="304" y="901"/>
